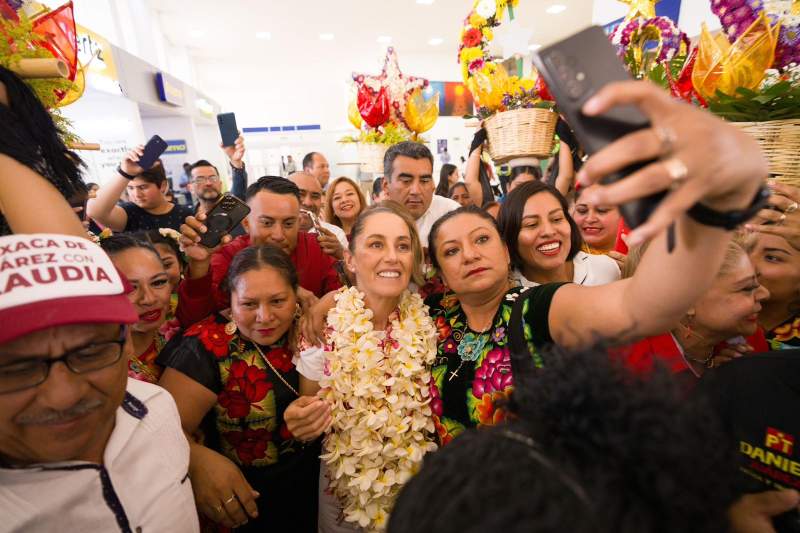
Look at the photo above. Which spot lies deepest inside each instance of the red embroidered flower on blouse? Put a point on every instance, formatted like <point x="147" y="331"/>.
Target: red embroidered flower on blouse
<point x="250" y="444"/>
<point x="212" y="335"/>
<point x="281" y="359"/>
<point x="246" y="385"/>
<point x="443" y="327"/>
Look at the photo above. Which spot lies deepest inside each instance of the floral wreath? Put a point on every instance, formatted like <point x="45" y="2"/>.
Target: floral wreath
<point x="379" y="389"/>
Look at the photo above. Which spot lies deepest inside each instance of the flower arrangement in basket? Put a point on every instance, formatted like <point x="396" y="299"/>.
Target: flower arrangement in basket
<point x="389" y="108"/>
<point x="518" y="113"/>
<point x="748" y="74"/>
<point x="40" y="45"/>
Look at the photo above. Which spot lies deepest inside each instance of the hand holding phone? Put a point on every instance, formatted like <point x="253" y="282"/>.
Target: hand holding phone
<point x="226" y="214"/>
<point x="152" y="151"/>
<point x="227" y="128"/>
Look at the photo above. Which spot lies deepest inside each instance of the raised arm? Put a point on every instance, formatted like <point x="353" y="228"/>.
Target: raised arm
<point x="473" y="171"/>
<point x="235" y="155"/>
<point x="103" y="208"/>
<point x="31" y="204"/>
<point x="699" y="158"/>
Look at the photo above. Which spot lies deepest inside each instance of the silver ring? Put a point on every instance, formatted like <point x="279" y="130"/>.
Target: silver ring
<point x="676" y="169"/>
<point x="229" y="500"/>
<point x="792" y="208"/>
<point x="666" y="138"/>
<point x="783" y="217"/>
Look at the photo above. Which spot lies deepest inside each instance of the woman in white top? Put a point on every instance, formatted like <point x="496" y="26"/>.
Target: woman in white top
<point x="544" y="241"/>
<point x="379" y="344"/>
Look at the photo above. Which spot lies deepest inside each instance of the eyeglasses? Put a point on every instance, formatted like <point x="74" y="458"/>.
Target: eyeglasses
<point x="33" y="371"/>
<point x="202" y="179"/>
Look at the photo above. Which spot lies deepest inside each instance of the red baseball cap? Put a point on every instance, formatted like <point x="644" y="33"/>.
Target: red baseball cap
<point x="49" y="280"/>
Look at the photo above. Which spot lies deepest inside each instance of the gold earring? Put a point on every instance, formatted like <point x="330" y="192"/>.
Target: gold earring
<point x="230" y="328"/>
<point x="298" y="311"/>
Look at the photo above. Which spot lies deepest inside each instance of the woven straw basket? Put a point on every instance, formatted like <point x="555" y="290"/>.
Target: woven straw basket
<point x="521" y="133"/>
<point x="370" y="155"/>
<point x="780" y="141"/>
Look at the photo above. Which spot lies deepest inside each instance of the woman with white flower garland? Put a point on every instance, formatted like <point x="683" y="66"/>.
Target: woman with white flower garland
<point x="374" y="374"/>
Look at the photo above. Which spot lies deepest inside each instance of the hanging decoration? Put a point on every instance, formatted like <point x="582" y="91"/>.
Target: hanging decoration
<point x="389" y="108"/>
<point x="645" y="40"/>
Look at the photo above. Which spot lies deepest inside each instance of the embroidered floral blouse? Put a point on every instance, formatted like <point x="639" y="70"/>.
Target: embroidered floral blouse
<point x="474" y="394"/>
<point x="785" y="336"/>
<point x="246" y="425"/>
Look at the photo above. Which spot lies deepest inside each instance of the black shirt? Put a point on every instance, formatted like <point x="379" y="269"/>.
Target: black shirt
<point x="141" y="220"/>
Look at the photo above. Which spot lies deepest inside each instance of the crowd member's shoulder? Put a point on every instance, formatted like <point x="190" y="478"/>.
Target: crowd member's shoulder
<point x="151" y="404"/>
<point x="595" y="269"/>
<point x="441" y="205"/>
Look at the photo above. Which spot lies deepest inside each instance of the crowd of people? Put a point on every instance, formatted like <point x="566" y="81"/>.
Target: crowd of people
<point x="478" y="353"/>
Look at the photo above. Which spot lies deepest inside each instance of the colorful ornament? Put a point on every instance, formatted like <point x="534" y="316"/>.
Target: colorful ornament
<point x="722" y="66"/>
<point x="738" y="15"/>
<point x="642" y="31"/>
<point x="395" y="85"/>
<point x="421" y="115"/>
<point x="373" y="106"/>
<point x="641" y="9"/>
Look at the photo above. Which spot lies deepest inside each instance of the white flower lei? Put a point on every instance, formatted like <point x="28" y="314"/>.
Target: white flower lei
<point x="380" y="399"/>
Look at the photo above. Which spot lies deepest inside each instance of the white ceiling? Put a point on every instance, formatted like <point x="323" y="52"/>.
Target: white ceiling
<point x="214" y="30"/>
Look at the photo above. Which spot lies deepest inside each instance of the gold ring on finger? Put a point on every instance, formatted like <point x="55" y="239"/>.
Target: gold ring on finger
<point x="218" y="509"/>
<point x="783" y="217"/>
<point x="791" y="209"/>
<point x="666" y="138"/>
<point x="229" y="500"/>
<point x="676" y="169"/>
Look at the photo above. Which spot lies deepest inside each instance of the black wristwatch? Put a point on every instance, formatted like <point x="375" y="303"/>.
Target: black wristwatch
<point x="124" y="174"/>
<point x="729" y="219"/>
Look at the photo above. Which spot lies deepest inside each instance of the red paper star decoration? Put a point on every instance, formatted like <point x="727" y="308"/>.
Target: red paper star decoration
<point x="395" y="85"/>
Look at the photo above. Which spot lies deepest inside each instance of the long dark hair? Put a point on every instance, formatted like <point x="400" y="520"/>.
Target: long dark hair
<point x="510" y="219"/>
<point x="154" y="237"/>
<point x="30" y="136"/>
<point x="444" y="179"/>
<point x="121" y="242"/>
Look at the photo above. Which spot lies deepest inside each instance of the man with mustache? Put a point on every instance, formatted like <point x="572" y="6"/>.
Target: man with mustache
<point x="206" y="185"/>
<point x="82" y="446"/>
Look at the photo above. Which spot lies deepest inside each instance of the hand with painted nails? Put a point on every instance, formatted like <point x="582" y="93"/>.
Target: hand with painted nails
<point x="696" y="156"/>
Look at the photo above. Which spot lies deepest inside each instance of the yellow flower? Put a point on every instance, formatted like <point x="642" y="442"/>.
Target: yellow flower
<point x="487" y="33"/>
<point x="477" y="21"/>
<point x="469" y="55"/>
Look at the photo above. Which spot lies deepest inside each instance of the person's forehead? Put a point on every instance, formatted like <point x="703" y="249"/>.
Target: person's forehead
<point x="138" y="182"/>
<point x="40" y="342"/>
<point x="204" y="171"/>
<point x="320" y="159"/>
<point x="414" y="167"/>
<point x="306" y="183"/>
<point x="267" y="203"/>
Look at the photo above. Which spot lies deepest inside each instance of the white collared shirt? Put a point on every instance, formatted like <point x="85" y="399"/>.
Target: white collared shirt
<point x="589" y="270"/>
<point x="439" y="207"/>
<point x="142" y="485"/>
<point x="336" y="230"/>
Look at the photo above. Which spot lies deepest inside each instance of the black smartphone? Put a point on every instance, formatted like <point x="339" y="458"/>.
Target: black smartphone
<point x="575" y="69"/>
<point x="152" y="151"/>
<point x="227" y="128"/>
<point x="226" y="214"/>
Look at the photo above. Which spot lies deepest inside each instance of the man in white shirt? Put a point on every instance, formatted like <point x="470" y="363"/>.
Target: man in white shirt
<point x="82" y="446"/>
<point x="408" y="180"/>
<point x="331" y="239"/>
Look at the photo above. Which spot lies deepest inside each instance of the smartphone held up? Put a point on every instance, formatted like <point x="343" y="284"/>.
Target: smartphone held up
<point x="577" y="68"/>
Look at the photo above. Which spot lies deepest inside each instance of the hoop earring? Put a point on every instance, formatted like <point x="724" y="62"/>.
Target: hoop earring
<point x="230" y="328"/>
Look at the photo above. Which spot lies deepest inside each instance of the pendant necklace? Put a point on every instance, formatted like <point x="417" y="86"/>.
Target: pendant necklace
<point x="471" y="346"/>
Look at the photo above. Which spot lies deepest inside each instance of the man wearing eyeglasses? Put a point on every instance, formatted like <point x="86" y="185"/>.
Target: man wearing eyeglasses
<point x="205" y="183"/>
<point x="82" y="446"/>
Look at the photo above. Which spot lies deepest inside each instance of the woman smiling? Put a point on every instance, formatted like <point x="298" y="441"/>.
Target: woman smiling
<point x="545" y="242"/>
<point x="344" y="202"/>
<point x="374" y="370"/>
<point x="142" y="265"/>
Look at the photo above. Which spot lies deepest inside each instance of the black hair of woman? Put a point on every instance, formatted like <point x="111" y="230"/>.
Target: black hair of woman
<point x="30" y="136"/>
<point x="443" y="186"/>
<point x="593" y="448"/>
